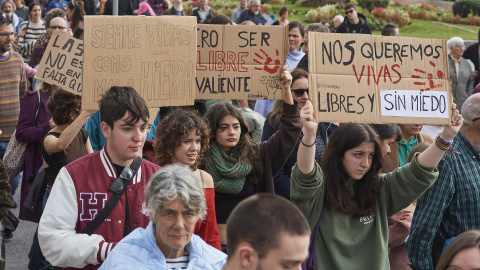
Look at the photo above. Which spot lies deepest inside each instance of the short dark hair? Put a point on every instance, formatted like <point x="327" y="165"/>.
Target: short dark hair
<point x="468" y="239"/>
<point x="220" y="19"/>
<point x="297" y="24"/>
<point x="120" y="99"/>
<point x="338" y="195"/>
<point x="385" y="131"/>
<point x="349" y="6"/>
<point x="5" y="21"/>
<point x="62" y="104"/>
<point x="283" y="10"/>
<point x="260" y="220"/>
<point x="389" y="30"/>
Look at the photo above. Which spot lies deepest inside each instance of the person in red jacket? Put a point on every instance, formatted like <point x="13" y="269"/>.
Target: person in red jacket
<point x="83" y="188"/>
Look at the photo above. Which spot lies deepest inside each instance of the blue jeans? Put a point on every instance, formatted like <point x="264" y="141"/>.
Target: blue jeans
<point x="46" y="195"/>
<point x="16" y="180"/>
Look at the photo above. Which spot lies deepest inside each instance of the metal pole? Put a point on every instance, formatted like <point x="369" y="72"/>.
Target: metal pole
<point x="115" y="7"/>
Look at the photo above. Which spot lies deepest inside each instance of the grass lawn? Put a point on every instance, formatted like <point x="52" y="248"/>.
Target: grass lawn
<point x="416" y="28"/>
<point x="429" y="29"/>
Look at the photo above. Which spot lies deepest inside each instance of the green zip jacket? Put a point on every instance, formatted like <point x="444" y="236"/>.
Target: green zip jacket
<point x="346" y="242"/>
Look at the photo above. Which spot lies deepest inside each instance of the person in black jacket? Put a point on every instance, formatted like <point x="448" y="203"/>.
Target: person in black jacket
<point x="354" y="22"/>
<point x="203" y="12"/>
<point x="471" y="53"/>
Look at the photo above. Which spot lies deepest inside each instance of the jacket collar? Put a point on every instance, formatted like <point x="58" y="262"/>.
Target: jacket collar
<point x="110" y="167"/>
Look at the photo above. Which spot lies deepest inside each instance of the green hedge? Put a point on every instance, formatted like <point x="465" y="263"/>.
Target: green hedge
<point x="464" y="7"/>
<point x="370" y="4"/>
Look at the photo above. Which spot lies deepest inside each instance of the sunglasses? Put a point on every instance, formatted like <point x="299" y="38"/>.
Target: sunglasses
<point x="478" y="118"/>
<point x="299" y="92"/>
<point x="349" y="11"/>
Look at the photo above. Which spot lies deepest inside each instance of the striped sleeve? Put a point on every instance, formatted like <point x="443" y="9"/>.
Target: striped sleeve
<point x="104" y="249"/>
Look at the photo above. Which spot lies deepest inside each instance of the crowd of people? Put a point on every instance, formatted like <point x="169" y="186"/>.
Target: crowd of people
<point x="193" y="189"/>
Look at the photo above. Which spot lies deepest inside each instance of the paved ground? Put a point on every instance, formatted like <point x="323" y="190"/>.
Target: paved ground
<point x="17" y="248"/>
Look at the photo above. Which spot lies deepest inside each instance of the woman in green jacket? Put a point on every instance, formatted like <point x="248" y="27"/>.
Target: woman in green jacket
<point x="350" y="199"/>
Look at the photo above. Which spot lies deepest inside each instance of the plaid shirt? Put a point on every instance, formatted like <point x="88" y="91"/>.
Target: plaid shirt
<point x="451" y="206"/>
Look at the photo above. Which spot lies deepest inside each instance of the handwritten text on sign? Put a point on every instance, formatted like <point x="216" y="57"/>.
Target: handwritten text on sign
<point x="240" y="62"/>
<point x="62" y="63"/>
<point x="348" y="71"/>
<point x="154" y="55"/>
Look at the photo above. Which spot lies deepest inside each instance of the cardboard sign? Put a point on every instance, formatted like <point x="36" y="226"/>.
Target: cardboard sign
<point x="62" y="63"/>
<point x="155" y="55"/>
<point x="377" y="79"/>
<point x="240" y="62"/>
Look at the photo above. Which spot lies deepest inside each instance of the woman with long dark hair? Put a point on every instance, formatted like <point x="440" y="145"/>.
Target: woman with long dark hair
<point x="348" y="199"/>
<point x="240" y="167"/>
<point x="300" y="94"/>
<point x="75" y="14"/>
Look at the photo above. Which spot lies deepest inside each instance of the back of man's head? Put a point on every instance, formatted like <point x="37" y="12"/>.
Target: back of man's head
<point x="5" y="21"/>
<point x="390" y="30"/>
<point x="317" y="27"/>
<point x="120" y="99"/>
<point x="471" y="111"/>
<point x="260" y="221"/>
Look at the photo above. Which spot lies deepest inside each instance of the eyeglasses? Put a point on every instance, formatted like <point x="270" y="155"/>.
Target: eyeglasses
<point x="460" y="46"/>
<point x="6" y="35"/>
<point x="349" y="11"/>
<point x="299" y="92"/>
<point x="478" y="118"/>
<point x="57" y="27"/>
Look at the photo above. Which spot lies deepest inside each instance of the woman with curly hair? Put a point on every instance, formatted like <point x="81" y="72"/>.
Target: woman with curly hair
<point x="239" y="166"/>
<point x="67" y="141"/>
<point x="182" y="137"/>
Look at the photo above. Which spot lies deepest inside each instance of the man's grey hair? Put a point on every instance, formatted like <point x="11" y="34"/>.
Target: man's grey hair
<point x="317" y="27"/>
<point x="11" y="1"/>
<point x="452" y="42"/>
<point x="471" y="109"/>
<point x="170" y="182"/>
<point x="253" y="1"/>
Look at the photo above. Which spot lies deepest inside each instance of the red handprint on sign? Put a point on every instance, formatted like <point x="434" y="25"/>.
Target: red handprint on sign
<point x="431" y="84"/>
<point x="267" y="62"/>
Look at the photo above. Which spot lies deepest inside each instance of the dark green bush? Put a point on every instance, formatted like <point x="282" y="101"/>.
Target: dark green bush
<point x="463" y="7"/>
<point x="370" y="4"/>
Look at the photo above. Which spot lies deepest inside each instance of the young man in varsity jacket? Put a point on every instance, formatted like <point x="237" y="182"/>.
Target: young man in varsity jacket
<point x="81" y="189"/>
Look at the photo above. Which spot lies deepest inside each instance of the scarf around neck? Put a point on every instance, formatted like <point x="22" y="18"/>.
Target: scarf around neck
<point x="228" y="173"/>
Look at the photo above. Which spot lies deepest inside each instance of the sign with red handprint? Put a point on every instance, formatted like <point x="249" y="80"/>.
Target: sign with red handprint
<point x="377" y="79"/>
<point x="240" y="62"/>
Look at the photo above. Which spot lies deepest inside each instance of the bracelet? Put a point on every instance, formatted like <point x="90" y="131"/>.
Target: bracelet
<point x="444" y="145"/>
<point x="308" y="145"/>
<point x="443" y="140"/>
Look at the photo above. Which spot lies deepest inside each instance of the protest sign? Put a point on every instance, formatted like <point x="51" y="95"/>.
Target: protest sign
<point x="377" y="79"/>
<point x="240" y="62"/>
<point x="154" y="55"/>
<point x="62" y="63"/>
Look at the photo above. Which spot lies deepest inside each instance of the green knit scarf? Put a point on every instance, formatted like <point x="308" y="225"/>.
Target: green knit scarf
<point x="228" y="173"/>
